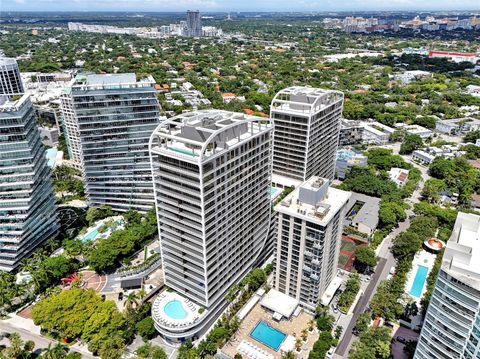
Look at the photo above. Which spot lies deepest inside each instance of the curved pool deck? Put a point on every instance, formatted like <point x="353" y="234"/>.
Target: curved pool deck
<point x="171" y="311"/>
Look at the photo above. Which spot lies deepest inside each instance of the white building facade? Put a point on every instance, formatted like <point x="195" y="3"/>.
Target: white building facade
<point x="451" y="329"/>
<point x="212" y="177"/>
<point x="307" y="125"/>
<point x="310" y="225"/>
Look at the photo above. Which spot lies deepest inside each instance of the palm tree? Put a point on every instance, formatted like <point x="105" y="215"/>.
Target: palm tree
<point x="289" y="355"/>
<point x="321" y="310"/>
<point x="15" y="349"/>
<point x="298" y="344"/>
<point x="131" y="300"/>
<point x="311" y="325"/>
<point x="59" y="351"/>
<point x="142" y="293"/>
<point x="304" y="335"/>
<point x="234" y="324"/>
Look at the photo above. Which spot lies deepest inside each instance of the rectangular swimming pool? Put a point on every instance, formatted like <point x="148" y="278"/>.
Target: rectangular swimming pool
<point x="268" y="335"/>
<point x="89" y="236"/>
<point x="419" y="281"/>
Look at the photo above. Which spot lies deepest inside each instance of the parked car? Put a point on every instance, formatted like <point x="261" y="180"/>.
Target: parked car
<point x="330" y="352"/>
<point x="401" y="340"/>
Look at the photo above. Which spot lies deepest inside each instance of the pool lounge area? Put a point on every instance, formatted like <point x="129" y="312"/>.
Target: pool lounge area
<point x="171" y="310"/>
<point x="264" y="335"/>
<point x="94" y="233"/>
<point x="419" y="281"/>
<point x="417" y="277"/>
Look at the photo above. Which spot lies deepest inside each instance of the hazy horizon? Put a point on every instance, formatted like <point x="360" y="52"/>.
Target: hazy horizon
<point x="234" y="6"/>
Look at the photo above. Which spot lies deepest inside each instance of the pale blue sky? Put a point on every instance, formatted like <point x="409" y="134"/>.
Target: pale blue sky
<point x="236" y="5"/>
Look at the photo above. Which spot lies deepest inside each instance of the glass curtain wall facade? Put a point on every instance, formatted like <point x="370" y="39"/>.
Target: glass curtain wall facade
<point x="27" y="205"/>
<point x="108" y="122"/>
<point x="451" y="329"/>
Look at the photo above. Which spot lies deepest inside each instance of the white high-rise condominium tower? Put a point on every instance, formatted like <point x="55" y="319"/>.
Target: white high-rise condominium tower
<point x="310" y="222"/>
<point x="108" y="121"/>
<point x="27" y="202"/>
<point x="212" y="175"/>
<point x="451" y="329"/>
<point x="307" y="124"/>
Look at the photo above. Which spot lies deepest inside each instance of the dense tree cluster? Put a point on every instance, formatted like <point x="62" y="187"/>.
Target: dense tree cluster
<point x="385" y="301"/>
<point x="68" y="183"/>
<point x="411" y="143"/>
<point x="373" y="344"/>
<point x="82" y="314"/>
<point x="457" y="176"/>
<point x="346" y="298"/>
<point x="78" y="313"/>
<point x="108" y="253"/>
<point x="364" y="257"/>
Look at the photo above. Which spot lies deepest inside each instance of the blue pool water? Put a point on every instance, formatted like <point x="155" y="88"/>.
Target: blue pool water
<point x="419" y="281"/>
<point x="89" y="236"/>
<point x="92" y="234"/>
<point x="51" y="155"/>
<point x="267" y="335"/>
<point x="274" y="190"/>
<point x="174" y="309"/>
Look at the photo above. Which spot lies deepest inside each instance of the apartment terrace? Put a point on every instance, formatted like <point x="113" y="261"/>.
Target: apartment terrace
<point x="201" y="134"/>
<point x="108" y="82"/>
<point x="304" y="100"/>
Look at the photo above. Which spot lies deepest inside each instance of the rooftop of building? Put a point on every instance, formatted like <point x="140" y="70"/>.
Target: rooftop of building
<point x="92" y="82"/>
<point x="377" y="128"/>
<point x="462" y="253"/>
<point x="314" y="201"/>
<point x="196" y="135"/>
<point x="455" y="121"/>
<point x="367" y="214"/>
<point x="345" y="154"/>
<point x="346" y="123"/>
<point x="304" y="100"/>
<point x="5" y="61"/>
<point x="13" y="103"/>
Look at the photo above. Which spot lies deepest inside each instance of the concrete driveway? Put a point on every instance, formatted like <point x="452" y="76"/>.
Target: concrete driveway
<point x="397" y="348"/>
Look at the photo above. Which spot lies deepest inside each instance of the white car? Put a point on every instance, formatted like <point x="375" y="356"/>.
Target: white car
<point x="330" y="352"/>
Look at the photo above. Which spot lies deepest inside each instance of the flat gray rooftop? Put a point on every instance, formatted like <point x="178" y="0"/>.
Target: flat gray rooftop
<point x="111" y="79"/>
<point x="368" y="214"/>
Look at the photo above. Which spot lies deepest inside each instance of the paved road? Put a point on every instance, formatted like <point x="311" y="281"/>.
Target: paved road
<point x="386" y="261"/>
<point x="41" y="342"/>
<point x="362" y="303"/>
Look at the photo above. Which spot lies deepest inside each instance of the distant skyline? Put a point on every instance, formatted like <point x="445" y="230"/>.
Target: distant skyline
<point x="235" y="5"/>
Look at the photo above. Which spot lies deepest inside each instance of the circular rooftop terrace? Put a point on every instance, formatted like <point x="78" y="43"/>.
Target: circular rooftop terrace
<point x="173" y="312"/>
<point x="434" y="244"/>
